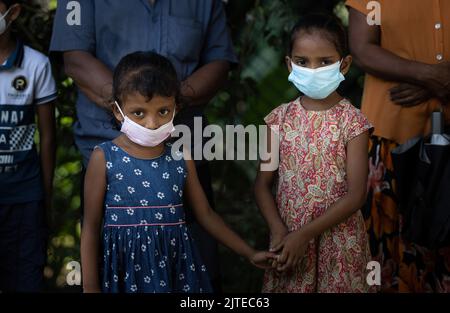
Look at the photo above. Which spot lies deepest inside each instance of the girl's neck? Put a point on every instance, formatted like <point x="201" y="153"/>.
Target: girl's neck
<point x="321" y="104"/>
<point x="138" y="151"/>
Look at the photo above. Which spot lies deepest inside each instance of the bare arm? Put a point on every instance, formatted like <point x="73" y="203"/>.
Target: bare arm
<point x="294" y="246"/>
<point x="94" y="193"/>
<point x="46" y="124"/>
<point x="364" y="41"/>
<point x="266" y="202"/>
<point x="91" y="76"/>
<point x="203" y="84"/>
<point x="215" y="225"/>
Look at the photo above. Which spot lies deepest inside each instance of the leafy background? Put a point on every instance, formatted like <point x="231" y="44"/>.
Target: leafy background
<point x="259" y="30"/>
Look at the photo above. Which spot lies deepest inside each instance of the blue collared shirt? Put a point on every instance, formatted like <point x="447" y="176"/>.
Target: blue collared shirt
<point x="191" y="33"/>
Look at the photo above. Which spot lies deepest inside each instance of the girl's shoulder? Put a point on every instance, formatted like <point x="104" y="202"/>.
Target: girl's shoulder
<point x="105" y="146"/>
<point x="99" y="155"/>
<point x="348" y="113"/>
<point x="347" y="107"/>
<point x="278" y="115"/>
<point x="352" y="120"/>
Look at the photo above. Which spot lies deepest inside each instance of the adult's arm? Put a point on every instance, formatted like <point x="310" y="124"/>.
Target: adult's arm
<point x="216" y="57"/>
<point x="364" y="40"/>
<point x="90" y="75"/>
<point x="94" y="79"/>
<point x="47" y="151"/>
<point x="76" y="42"/>
<point x="203" y="84"/>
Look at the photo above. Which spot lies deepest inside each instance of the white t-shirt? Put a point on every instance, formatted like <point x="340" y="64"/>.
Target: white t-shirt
<point x="25" y="81"/>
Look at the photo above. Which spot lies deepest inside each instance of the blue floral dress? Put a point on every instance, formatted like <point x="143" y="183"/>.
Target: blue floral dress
<point x="147" y="246"/>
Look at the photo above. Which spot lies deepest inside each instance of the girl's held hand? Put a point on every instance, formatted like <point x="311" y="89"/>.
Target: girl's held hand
<point x="291" y="250"/>
<point x="262" y="259"/>
<point x="276" y="237"/>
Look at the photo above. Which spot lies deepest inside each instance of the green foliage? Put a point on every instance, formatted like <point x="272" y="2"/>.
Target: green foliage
<point x="257" y="85"/>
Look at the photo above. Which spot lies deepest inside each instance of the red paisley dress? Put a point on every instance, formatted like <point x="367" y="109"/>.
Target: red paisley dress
<point x="311" y="177"/>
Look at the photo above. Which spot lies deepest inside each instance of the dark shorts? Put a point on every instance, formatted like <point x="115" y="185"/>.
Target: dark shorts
<point x="23" y="247"/>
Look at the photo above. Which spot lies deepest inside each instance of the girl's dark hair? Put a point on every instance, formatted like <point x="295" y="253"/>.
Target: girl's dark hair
<point x="146" y="73"/>
<point x="9" y="3"/>
<point x="328" y="25"/>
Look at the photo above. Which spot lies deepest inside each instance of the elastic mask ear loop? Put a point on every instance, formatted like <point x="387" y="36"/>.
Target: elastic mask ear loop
<point x="340" y="64"/>
<point x="120" y="110"/>
<point x="6" y="13"/>
<point x="7" y="24"/>
<point x="174" y="110"/>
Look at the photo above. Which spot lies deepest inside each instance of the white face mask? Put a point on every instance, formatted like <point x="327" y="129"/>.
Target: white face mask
<point x="144" y="136"/>
<point x="3" y="25"/>
<point x="317" y="83"/>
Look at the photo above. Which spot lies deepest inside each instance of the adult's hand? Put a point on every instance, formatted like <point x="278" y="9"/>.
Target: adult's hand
<point x="204" y="83"/>
<point x="408" y="95"/>
<point x="437" y="80"/>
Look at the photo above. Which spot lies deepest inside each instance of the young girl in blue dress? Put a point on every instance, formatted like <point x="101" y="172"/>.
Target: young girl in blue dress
<point x="134" y="186"/>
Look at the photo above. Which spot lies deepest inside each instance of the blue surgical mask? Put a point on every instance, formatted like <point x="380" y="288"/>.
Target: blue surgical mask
<point x="317" y="83"/>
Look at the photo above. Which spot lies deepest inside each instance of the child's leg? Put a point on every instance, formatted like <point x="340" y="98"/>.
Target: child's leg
<point x="23" y="250"/>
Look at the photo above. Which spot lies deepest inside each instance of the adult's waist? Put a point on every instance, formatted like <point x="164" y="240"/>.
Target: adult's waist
<point x="392" y="121"/>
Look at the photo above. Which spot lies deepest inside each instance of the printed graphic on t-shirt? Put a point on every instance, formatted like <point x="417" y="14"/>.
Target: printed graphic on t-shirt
<point x="17" y="130"/>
